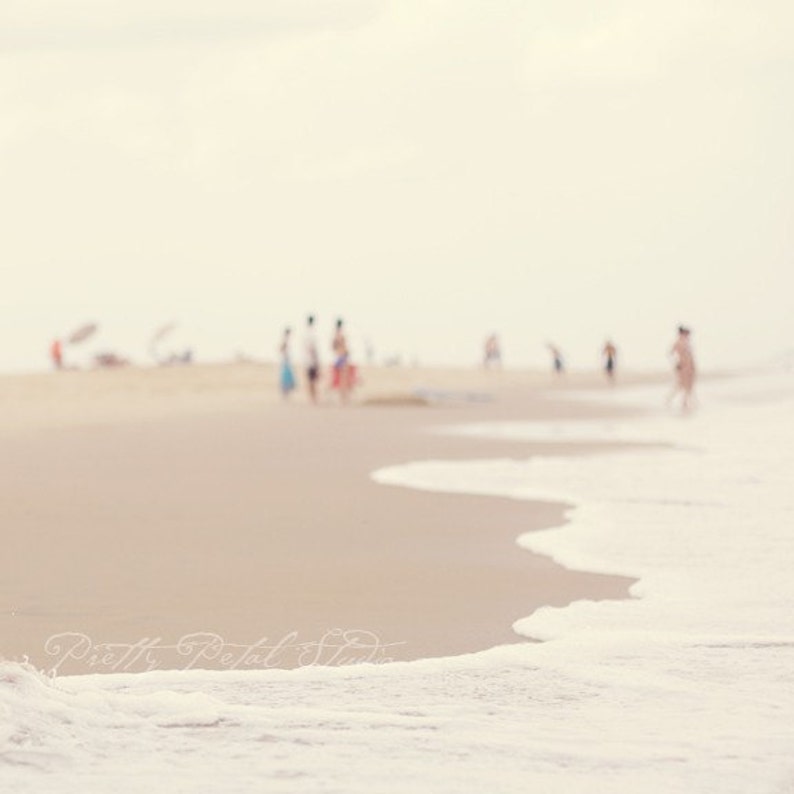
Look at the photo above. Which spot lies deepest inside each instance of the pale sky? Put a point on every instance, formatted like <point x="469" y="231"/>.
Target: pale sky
<point x="431" y="171"/>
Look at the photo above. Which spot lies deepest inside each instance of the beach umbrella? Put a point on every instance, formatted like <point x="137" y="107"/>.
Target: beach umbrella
<point x="161" y="333"/>
<point x="82" y="333"/>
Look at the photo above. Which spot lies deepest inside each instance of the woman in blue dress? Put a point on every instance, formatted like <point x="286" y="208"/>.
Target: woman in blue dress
<point x="287" y="375"/>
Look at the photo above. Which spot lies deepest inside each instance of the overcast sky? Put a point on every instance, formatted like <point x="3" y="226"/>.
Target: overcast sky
<point x="430" y="170"/>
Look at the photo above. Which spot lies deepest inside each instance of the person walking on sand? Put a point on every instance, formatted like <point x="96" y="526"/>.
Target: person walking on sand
<point x="343" y="371"/>
<point x="493" y="353"/>
<point x="557" y="360"/>
<point x="311" y="356"/>
<point x="684" y="363"/>
<point x="56" y="354"/>
<point x="286" y="375"/>
<point x="610" y="356"/>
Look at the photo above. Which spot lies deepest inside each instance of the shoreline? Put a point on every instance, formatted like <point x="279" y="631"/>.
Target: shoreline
<point x="228" y="515"/>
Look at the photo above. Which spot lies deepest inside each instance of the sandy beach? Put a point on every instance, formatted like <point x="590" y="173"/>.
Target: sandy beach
<point x="187" y="537"/>
<point x="143" y="507"/>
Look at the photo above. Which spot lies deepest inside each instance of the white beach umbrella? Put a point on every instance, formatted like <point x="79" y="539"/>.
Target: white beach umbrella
<point x="82" y="333"/>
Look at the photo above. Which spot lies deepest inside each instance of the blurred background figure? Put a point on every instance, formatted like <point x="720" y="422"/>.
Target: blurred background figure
<point x="286" y="376"/>
<point x="344" y="373"/>
<point x="77" y="337"/>
<point x="684" y="364"/>
<point x="493" y="353"/>
<point x="170" y="357"/>
<point x="56" y="354"/>
<point x="557" y="362"/>
<point x="311" y="358"/>
<point x="110" y="359"/>
<point x="610" y="358"/>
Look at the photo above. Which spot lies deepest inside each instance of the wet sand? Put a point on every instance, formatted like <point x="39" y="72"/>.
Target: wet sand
<point x="142" y="507"/>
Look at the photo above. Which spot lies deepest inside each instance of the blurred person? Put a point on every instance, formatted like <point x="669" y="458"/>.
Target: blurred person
<point x="684" y="364"/>
<point x="610" y="357"/>
<point x="557" y="361"/>
<point x="311" y="355"/>
<point x="56" y="354"/>
<point x="286" y="375"/>
<point x="493" y="353"/>
<point x="343" y="370"/>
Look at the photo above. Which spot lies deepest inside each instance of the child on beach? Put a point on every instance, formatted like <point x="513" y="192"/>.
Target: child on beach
<point x="56" y="354"/>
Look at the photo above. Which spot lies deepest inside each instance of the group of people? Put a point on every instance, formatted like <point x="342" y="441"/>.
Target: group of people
<point x="344" y="375"/>
<point x="493" y="356"/>
<point x="683" y="363"/>
<point x="681" y="354"/>
<point x="343" y="371"/>
<point x="609" y="358"/>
